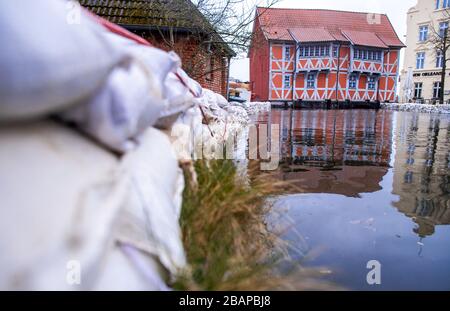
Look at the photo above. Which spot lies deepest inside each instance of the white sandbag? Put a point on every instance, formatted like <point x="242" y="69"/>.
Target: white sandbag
<point x="127" y="269"/>
<point x="182" y="93"/>
<point x="208" y="101"/>
<point x="221" y="101"/>
<point x="59" y="194"/>
<point x="49" y="61"/>
<point x="66" y="204"/>
<point x="128" y="103"/>
<point x="149" y="220"/>
<point x="237" y="114"/>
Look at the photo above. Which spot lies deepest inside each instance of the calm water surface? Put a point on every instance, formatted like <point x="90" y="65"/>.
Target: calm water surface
<point x="374" y="186"/>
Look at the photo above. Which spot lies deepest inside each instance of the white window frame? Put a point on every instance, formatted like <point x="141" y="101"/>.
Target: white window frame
<point x="418" y="88"/>
<point x="442" y="27"/>
<point x="439" y="59"/>
<point x="423" y="33"/>
<point x="420" y="60"/>
<point x="436" y="89"/>
<point x="287" y="52"/>
<point x="335" y="50"/>
<point x="287" y="81"/>
<point x="353" y="81"/>
<point x="309" y="81"/>
<point x="371" y="83"/>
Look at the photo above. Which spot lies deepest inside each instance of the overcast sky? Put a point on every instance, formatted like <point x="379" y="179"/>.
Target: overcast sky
<point x="395" y="9"/>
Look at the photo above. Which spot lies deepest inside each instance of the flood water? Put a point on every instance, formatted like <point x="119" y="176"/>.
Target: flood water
<point x="373" y="185"/>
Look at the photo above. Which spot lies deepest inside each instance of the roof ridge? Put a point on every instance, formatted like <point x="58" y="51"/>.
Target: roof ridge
<point x="329" y="10"/>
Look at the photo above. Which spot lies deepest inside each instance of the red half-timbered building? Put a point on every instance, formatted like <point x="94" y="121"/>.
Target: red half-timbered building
<point x="300" y="55"/>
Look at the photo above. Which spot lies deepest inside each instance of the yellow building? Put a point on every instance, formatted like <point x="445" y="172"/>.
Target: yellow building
<point x="421" y="73"/>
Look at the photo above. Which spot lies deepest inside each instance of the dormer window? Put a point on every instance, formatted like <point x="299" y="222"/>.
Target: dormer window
<point x="371" y="55"/>
<point x="314" y="51"/>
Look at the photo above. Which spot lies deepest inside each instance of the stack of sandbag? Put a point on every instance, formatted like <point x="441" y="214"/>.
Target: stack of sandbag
<point x="68" y="204"/>
<point x="51" y="65"/>
<point x="204" y="130"/>
<point x="73" y="214"/>
<point x="151" y="89"/>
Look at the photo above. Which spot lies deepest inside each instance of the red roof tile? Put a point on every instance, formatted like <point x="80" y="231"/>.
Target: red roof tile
<point x="364" y="38"/>
<point x="311" y="35"/>
<point x="276" y="22"/>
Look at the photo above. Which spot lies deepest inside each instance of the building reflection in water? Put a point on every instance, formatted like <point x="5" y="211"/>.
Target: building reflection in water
<point x="421" y="177"/>
<point x="333" y="151"/>
<point x="348" y="152"/>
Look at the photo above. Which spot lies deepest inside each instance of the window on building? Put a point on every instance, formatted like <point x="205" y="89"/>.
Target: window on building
<point x="322" y="50"/>
<point x="314" y="51"/>
<point x="287" y="81"/>
<point x="420" y="60"/>
<point x="367" y="55"/>
<point x="418" y="90"/>
<point x="371" y="82"/>
<point x="446" y="4"/>
<point x="423" y="33"/>
<point x="438" y="4"/>
<point x="311" y="81"/>
<point x="436" y="89"/>
<point x="335" y="50"/>
<point x="443" y="27"/>
<point x="439" y="59"/>
<point x="352" y="81"/>
<point x="287" y="53"/>
<point x="317" y="51"/>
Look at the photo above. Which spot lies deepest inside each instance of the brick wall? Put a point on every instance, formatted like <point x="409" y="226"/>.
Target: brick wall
<point x="209" y="68"/>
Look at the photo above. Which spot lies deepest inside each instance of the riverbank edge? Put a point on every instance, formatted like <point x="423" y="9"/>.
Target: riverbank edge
<point x="412" y="107"/>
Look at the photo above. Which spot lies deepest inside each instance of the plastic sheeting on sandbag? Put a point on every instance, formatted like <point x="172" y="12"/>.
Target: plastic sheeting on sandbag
<point x="149" y="220"/>
<point x="47" y="62"/>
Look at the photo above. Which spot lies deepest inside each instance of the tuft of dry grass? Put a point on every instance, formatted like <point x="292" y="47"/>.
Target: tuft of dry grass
<point x="226" y="236"/>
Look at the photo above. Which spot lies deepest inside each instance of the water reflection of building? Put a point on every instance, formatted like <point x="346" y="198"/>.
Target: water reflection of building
<point x="327" y="151"/>
<point x="421" y="177"/>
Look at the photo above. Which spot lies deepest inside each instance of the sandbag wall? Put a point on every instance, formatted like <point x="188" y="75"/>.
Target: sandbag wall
<point x="90" y="186"/>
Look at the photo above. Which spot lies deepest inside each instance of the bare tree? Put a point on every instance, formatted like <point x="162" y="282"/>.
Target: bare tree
<point x="232" y="19"/>
<point x="439" y="40"/>
<point x="214" y="26"/>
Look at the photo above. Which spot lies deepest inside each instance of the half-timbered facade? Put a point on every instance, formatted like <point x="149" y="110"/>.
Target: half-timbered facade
<point x="323" y="56"/>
